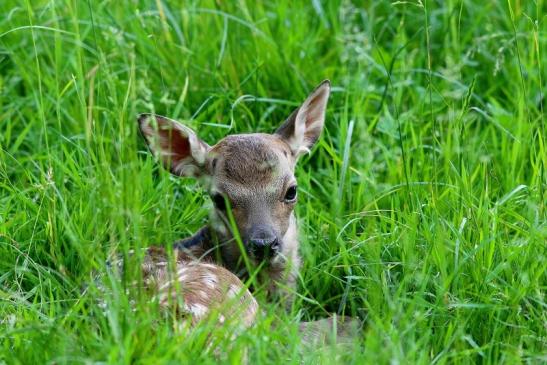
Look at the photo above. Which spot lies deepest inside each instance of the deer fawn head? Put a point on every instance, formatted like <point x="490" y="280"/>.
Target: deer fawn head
<point x="250" y="174"/>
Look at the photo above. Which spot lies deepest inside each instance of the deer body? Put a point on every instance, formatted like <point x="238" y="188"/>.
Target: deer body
<point x="250" y="178"/>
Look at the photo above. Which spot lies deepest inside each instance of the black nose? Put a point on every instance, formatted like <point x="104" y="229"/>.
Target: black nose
<point x="263" y="241"/>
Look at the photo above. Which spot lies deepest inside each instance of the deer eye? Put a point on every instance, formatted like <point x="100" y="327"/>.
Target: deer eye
<point x="219" y="202"/>
<point x="290" y="194"/>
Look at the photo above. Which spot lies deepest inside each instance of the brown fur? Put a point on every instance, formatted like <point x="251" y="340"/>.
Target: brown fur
<point x="246" y="159"/>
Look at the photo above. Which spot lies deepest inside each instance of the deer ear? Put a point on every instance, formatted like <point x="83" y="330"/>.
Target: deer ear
<point x="177" y="146"/>
<point x="303" y="127"/>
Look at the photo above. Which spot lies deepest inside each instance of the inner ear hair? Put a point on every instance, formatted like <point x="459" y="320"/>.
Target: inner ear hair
<point x="303" y="127"/>
<point x="174" y="144"/>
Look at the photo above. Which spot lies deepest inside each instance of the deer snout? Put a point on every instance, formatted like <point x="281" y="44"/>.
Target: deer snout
<point x="263" y="241"/>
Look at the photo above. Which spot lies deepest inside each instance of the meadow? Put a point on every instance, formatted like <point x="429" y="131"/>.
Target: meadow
<point x="422" y="208"/>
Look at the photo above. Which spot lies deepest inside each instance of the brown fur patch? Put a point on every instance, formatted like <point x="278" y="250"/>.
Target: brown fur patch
<point x="249" y="159"/>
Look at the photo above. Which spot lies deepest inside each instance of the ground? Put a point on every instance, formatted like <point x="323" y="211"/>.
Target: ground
<point x="422" y="208"/>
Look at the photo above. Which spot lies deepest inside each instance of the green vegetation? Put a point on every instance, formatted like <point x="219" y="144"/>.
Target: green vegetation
<point x="422" y="210"/>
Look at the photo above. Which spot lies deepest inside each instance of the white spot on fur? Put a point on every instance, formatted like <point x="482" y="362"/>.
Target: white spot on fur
<point x="210" y="280"/>
<point x="198" y="310"/>
<point x="182" y="274"/>
<point x="182" y="278"/>
<point x="233" y="291"/>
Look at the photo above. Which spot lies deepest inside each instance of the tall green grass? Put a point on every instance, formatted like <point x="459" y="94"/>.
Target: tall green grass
<point x="422" y="210"/>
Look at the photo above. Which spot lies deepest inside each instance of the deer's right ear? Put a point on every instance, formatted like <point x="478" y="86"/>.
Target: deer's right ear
<point x="177" y="146"/>
<point x="303" y="128"/>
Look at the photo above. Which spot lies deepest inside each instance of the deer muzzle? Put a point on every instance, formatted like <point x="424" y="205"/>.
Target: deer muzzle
<point x="263" y="242"/>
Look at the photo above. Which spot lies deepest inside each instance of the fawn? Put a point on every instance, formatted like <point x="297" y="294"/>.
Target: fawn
<point x="250" y="178"/>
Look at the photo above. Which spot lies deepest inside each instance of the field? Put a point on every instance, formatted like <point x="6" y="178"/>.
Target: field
<point x="422" y="208"/>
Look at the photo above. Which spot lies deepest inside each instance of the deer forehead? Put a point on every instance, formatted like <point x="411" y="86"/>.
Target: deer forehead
<point x="251" y="162"/>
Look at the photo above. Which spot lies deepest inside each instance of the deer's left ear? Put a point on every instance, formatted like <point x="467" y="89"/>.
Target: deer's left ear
<point x="175" y="145"/>
<point x="303" y="128"/>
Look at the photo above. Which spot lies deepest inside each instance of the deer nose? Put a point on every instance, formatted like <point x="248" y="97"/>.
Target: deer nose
<point x="263" y="241"/>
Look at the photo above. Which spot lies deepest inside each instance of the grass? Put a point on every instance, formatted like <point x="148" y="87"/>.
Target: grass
<point x="422" y="210"/>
